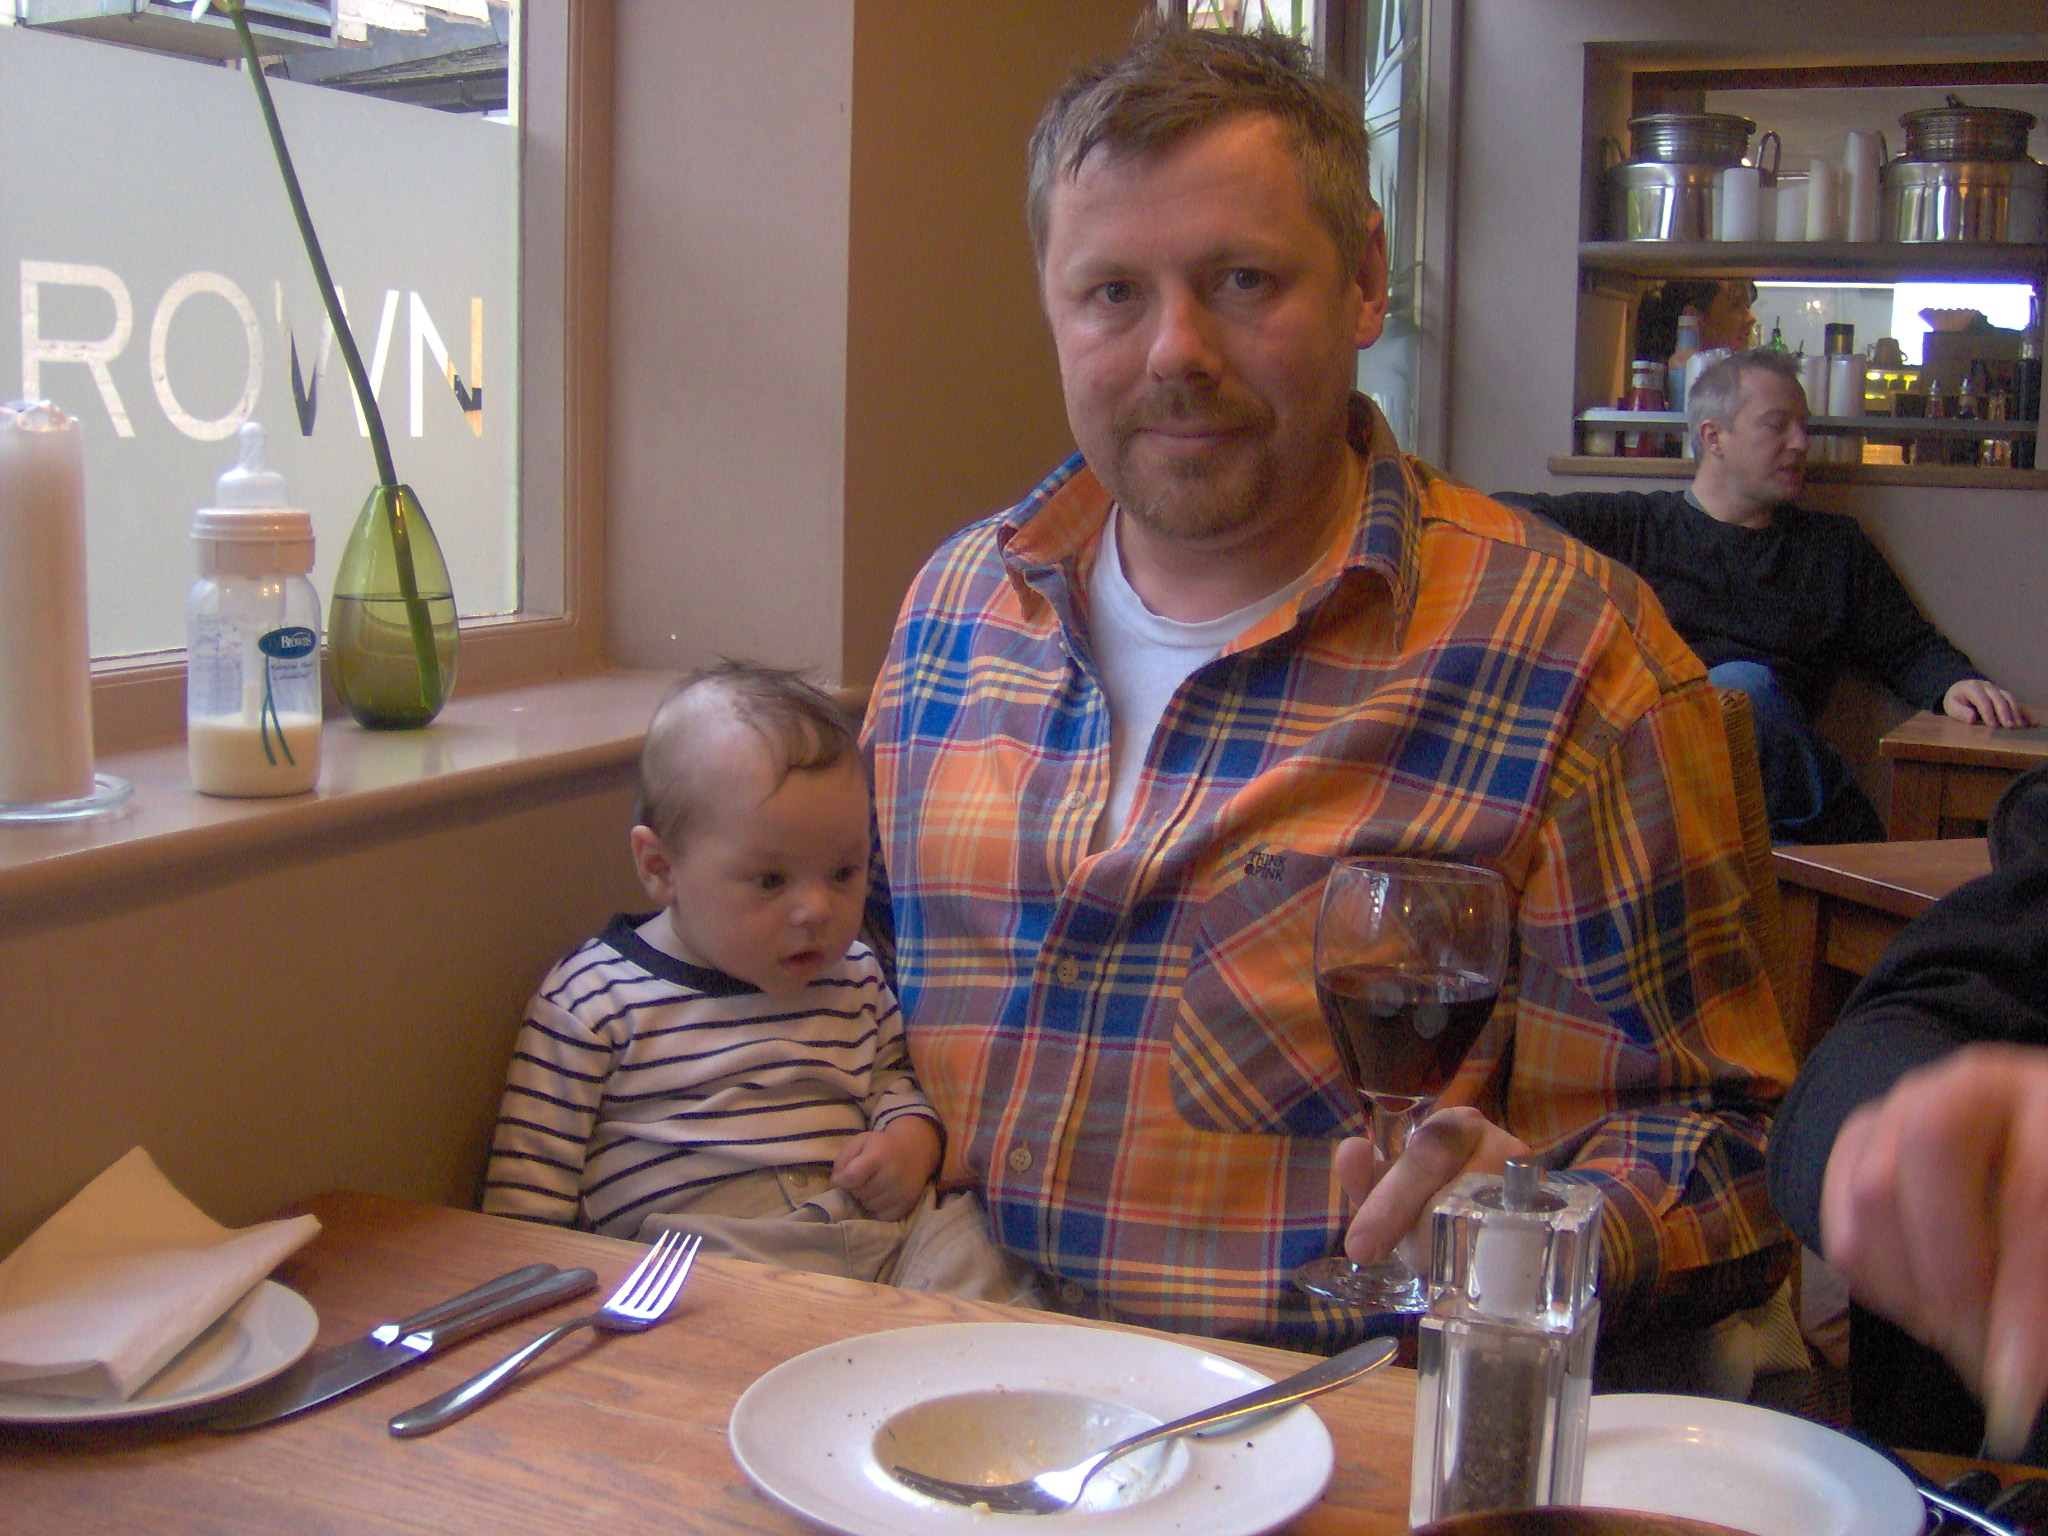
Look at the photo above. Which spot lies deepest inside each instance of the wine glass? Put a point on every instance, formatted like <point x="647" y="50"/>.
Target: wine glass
<point x="1409" y="957"/>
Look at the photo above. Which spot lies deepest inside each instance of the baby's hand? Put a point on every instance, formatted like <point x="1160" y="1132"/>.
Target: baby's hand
<point x="887" y="1170"/>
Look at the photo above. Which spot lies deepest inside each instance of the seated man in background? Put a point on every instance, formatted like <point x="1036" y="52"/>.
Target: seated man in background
<point x="1125" y="729"/>
<point x="1913" y="1153"/>
<point x="1775" y="599"/>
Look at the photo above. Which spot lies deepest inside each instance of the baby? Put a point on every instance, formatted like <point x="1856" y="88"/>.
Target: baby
<point x="733" y="1065"/>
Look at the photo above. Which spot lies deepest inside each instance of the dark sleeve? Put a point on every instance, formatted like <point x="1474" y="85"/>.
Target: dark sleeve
<point x="1973" y="967"/>
<point x="1890" y="635"/>
<point x="1608" y="521"/>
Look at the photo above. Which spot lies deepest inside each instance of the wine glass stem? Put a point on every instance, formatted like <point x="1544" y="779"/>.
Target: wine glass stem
<point x="1393" y="1122"/>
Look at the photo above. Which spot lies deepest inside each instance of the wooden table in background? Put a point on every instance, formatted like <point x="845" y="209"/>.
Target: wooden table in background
<point x="620" y="1435"/>
<point x="1947" y="775"/>
<point x="1844" y="904"/>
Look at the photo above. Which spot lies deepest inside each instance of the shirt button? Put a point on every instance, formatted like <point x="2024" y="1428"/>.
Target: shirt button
<point x="1020" y="1159"/>
<point x="1071" y="1294"/>
<point x="1076" y="798"/>
<point x="1068" y="971"/>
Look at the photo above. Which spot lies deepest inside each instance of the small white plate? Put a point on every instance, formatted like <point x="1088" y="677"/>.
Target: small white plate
<point x="1742" y="1466"/>
<point x="805" y="1431"/>
<point x="254" y="1339"/>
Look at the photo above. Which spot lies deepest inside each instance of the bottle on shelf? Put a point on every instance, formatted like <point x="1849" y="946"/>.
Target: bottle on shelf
<point x="1674" y="371"/>
<point x="1645" y="393"/>
<point x="1777" y="341"/>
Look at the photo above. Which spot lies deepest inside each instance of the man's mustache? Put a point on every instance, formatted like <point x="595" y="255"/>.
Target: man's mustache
<point x="1180" y="405"/>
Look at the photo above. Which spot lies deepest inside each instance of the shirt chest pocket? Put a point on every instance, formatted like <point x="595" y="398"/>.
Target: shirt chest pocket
<point x="1250" y="1054"/>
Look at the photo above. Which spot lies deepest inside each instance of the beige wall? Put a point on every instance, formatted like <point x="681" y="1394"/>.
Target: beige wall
<point x="728" y="330"/>
<point x="332" y="1021"/>
<point x="1974" y="559"/>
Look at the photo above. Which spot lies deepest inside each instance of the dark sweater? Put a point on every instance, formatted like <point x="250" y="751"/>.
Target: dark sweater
<point x="1806" y="596"/>
<point x="1973" y="967"/>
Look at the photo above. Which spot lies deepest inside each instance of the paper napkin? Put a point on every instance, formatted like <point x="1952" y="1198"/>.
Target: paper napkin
<point x="104" y="1293"/>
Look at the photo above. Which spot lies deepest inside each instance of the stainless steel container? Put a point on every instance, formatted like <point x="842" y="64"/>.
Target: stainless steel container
<point x="1958" y="132"/>
<point x="1984" y="201"/>
<point x="1653" y="200"/>
<point x="1689" y="138"/>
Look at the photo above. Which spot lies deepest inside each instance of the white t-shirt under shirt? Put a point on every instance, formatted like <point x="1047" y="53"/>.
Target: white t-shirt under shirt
<point x="1142" y="660"/>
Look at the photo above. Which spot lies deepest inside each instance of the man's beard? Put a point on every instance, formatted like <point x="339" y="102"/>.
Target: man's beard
<point x="1195" y="499"/>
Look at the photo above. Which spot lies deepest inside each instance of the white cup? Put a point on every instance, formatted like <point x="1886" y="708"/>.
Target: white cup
<point x="1859" y="170"/>
<point x="1821" y="220"/>
<point x="1738" y="186"/>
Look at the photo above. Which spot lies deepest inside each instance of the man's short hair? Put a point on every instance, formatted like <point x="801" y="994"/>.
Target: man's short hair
<point x="1717" y="393"/>
<point x="1179" y="81"/>
<point x="803" y="728"/>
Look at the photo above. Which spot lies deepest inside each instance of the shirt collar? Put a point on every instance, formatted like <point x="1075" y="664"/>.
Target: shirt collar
<point x="1060" y="524"/>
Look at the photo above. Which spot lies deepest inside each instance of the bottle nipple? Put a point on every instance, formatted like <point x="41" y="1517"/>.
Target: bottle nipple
<point x="249" y="484"/>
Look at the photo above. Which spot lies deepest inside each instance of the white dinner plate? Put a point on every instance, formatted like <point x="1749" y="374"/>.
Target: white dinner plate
<point x="1741" y="1466"/>
<point x="253" y="1340"/>
<point x="805" y="1431"/>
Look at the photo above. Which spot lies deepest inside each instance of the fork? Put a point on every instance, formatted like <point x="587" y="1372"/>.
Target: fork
<point x="642" y="1300"/>
<point x="1050" y="1493"/>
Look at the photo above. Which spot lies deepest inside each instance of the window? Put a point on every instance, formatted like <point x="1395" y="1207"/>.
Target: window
<point x="164" y="297"/>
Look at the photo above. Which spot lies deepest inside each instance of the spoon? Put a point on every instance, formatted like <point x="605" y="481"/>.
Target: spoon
<point x="1051" y="1492"/>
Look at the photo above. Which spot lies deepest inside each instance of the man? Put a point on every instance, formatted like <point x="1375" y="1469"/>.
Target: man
<point x="1126" y="727"/>
<point x="1777" y="600"/>
<point x="1913" y="1153"/>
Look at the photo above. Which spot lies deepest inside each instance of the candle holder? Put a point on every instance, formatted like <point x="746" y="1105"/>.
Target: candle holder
<point x="109" y="793"/>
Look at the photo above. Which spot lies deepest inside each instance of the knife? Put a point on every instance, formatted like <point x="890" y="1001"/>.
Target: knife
<point x="330" y="1373"/>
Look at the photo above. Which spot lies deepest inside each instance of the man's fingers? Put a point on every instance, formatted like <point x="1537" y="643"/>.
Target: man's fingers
<point x="1358" y="1169"/>
<point x="1448" y="1143"/>
<point x="2016" y="1346"/>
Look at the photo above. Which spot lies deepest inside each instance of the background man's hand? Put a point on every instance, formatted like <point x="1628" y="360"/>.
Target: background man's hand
<point x="1934" y="1207"/>
<point x="887" y="1170"/>
<point x="1394" y="1199"/>
<point x="1983" y="703"/>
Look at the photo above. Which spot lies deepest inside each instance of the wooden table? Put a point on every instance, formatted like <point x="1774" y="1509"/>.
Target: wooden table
<point x="621" y="1435"/>
<point x="1947" y="775"/>
<point x="1843" y="906"/>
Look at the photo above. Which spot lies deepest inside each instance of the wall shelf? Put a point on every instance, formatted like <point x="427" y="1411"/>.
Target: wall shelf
<point x="1970" y="476"/>
<point x="1792" y="260"/>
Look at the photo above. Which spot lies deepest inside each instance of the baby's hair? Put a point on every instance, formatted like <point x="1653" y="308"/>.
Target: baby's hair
<point x="797" y="721"/>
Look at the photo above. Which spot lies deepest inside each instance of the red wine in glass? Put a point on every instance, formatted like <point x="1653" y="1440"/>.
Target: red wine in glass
<point x="1402" y="1030"/>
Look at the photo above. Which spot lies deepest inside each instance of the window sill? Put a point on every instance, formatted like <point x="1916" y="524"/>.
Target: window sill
<point x="486" y="754"/>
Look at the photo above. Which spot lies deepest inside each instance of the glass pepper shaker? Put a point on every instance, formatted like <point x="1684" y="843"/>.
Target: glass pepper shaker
<point x="1505" y="1351"/>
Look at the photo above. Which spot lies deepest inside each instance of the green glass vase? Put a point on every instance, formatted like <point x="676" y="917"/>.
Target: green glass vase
<point x="391" y="625"/>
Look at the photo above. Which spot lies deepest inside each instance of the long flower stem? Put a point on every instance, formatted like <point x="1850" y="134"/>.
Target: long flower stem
<point x="418" y="620"/>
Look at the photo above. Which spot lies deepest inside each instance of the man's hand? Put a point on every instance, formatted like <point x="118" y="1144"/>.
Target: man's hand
<point x="1394" y="1199"/>
<point x="887" y="1170"/>
<point x="1983" y="703"/>
<point x="1934" y="1207"/>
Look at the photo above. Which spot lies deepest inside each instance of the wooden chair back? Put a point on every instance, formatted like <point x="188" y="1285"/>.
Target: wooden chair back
<point x="1766" y="917"/>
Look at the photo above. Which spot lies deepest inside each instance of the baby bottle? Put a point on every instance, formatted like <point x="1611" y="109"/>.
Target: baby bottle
<point x="252" y="631"/>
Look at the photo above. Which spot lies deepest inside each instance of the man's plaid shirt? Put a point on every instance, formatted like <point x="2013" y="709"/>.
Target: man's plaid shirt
<point x="1125" y="1046"/>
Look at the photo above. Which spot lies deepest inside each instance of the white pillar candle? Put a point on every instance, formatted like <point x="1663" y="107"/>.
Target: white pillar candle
<point x="1821" y="223"/>
<point x="1859" y="170"/>
<point x="45" y="657"/>
<point x="1738" y="188"/>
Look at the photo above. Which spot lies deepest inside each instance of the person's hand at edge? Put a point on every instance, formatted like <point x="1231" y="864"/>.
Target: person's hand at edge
<point x="1934" y="1208"/>
<point x="886" y="1170"/>
<point x="1394" y="1201"/>
<point x="1979" y="702"/>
